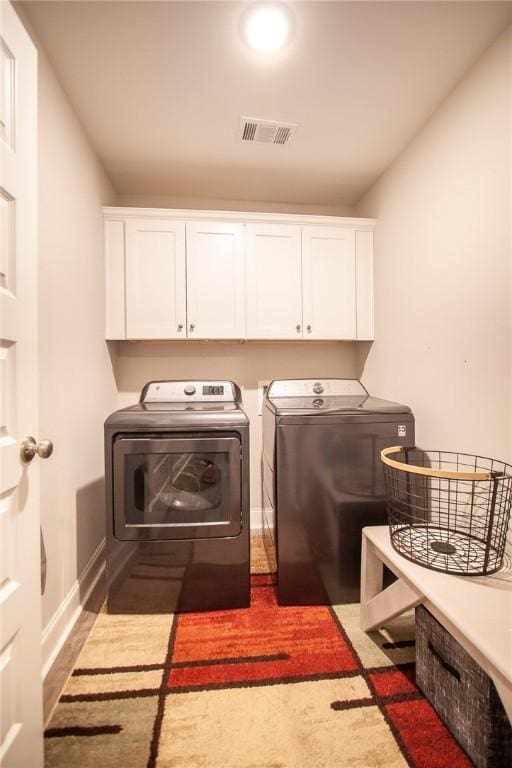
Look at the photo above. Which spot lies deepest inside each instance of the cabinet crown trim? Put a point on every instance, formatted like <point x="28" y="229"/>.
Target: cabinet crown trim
<point x="122" y="213"/>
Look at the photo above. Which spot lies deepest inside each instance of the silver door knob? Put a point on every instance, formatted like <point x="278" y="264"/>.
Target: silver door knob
<point x="29" y="448"/>
<point x="191" y="327"/>
<point x="180" y="326"/>
<point x="297" y="328"/>
<point x="308" y="328"/>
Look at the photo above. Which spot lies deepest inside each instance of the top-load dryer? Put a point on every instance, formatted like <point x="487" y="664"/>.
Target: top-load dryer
<point x="177" y="492"/>
<point x="323" y="482"/>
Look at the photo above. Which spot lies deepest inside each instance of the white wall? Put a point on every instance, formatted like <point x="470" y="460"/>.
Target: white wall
<point x="209" y="204"/>
<point x="443" y="262"/>
<point x="246" y="364"/>
<point x="77" y="385"/>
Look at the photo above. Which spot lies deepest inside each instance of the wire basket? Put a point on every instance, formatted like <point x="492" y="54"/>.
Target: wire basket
<point x="448" y="511"/>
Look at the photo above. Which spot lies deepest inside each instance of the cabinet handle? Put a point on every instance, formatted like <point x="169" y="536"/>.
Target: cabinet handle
<point x="180" y="326"/>
<point x="297" y="327"/>
<point x="191" y="327"/>
<point x="308" y="328"/>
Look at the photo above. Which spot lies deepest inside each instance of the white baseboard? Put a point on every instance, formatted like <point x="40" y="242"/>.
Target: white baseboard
<point x="63" y="620"/>
<point x="257" y="518"/>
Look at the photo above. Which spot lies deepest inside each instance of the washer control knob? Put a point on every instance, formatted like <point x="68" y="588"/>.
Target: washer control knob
<point x="190" y="389"/>
<point x="318" y="402"/>
<point x="318" y="388"/>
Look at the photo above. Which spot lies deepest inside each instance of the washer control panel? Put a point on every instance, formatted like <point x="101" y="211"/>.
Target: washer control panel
<point x="311" y="387"/>
<point x="186" y="391"/>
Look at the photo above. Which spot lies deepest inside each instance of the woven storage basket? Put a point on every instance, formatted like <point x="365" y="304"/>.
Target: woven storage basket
<point x="462" y="694"/>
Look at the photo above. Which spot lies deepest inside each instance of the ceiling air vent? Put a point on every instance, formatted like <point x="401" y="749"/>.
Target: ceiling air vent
<point x="266" y="131"/>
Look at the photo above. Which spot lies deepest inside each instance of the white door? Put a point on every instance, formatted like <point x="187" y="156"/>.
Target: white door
<point x="329" y="283"/>
<point x="155" y="279"/>
<point x="20" y="573"/>
<point x="215" y="280"/>
<point x="274" y="281"/>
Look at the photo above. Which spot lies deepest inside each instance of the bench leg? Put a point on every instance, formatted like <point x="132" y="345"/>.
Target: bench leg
<point x="372" y="571"/>
<point x="377" y="605"/>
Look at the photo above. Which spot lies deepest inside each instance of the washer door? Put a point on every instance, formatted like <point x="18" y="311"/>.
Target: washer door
<point x="176" y="488"/>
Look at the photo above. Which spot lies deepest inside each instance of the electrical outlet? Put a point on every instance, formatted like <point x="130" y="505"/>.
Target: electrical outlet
<point x="262" y="391"/>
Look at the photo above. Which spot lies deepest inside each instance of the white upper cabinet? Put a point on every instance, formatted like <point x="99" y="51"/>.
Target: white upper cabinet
<point x="215" y="280"/>
<point x="228" y="275"/>
<point x="155" y="279"/>
<point x="274" y="281"/>
<point x="329" y="281"/>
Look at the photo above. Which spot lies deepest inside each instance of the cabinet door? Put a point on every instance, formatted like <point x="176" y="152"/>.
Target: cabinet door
<point x="329" y="283"/>
<point x="155" y="279"/>
<point x="215" y="280"/>
<point x="274" y="281"/>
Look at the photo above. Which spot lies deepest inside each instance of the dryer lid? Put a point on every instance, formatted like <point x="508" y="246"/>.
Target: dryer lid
<point x="319" y="406"/>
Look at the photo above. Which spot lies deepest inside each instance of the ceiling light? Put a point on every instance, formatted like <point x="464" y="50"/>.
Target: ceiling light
<point x="266" y="27"/>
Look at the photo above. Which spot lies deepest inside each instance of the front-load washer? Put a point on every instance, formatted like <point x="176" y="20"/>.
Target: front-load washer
<point x="177" y="500"/>
<point x="323" y="482"/>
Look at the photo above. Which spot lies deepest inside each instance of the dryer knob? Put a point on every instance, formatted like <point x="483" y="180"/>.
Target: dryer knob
<point x="190" y="389"/>
<point x="318" y="388"/>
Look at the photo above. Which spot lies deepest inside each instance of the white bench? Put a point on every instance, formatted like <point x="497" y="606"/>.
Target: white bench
<point x="476" y="611"/>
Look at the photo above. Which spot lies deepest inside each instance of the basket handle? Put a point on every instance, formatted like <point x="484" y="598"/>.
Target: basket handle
<point x="443" y="473"/>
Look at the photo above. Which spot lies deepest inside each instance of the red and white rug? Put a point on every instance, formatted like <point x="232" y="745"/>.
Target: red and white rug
<point x="263" y="687"/>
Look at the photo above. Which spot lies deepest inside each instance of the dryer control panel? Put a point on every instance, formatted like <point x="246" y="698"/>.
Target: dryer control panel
<point x="312" y="387"/>
<point x="190" y="391"/>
